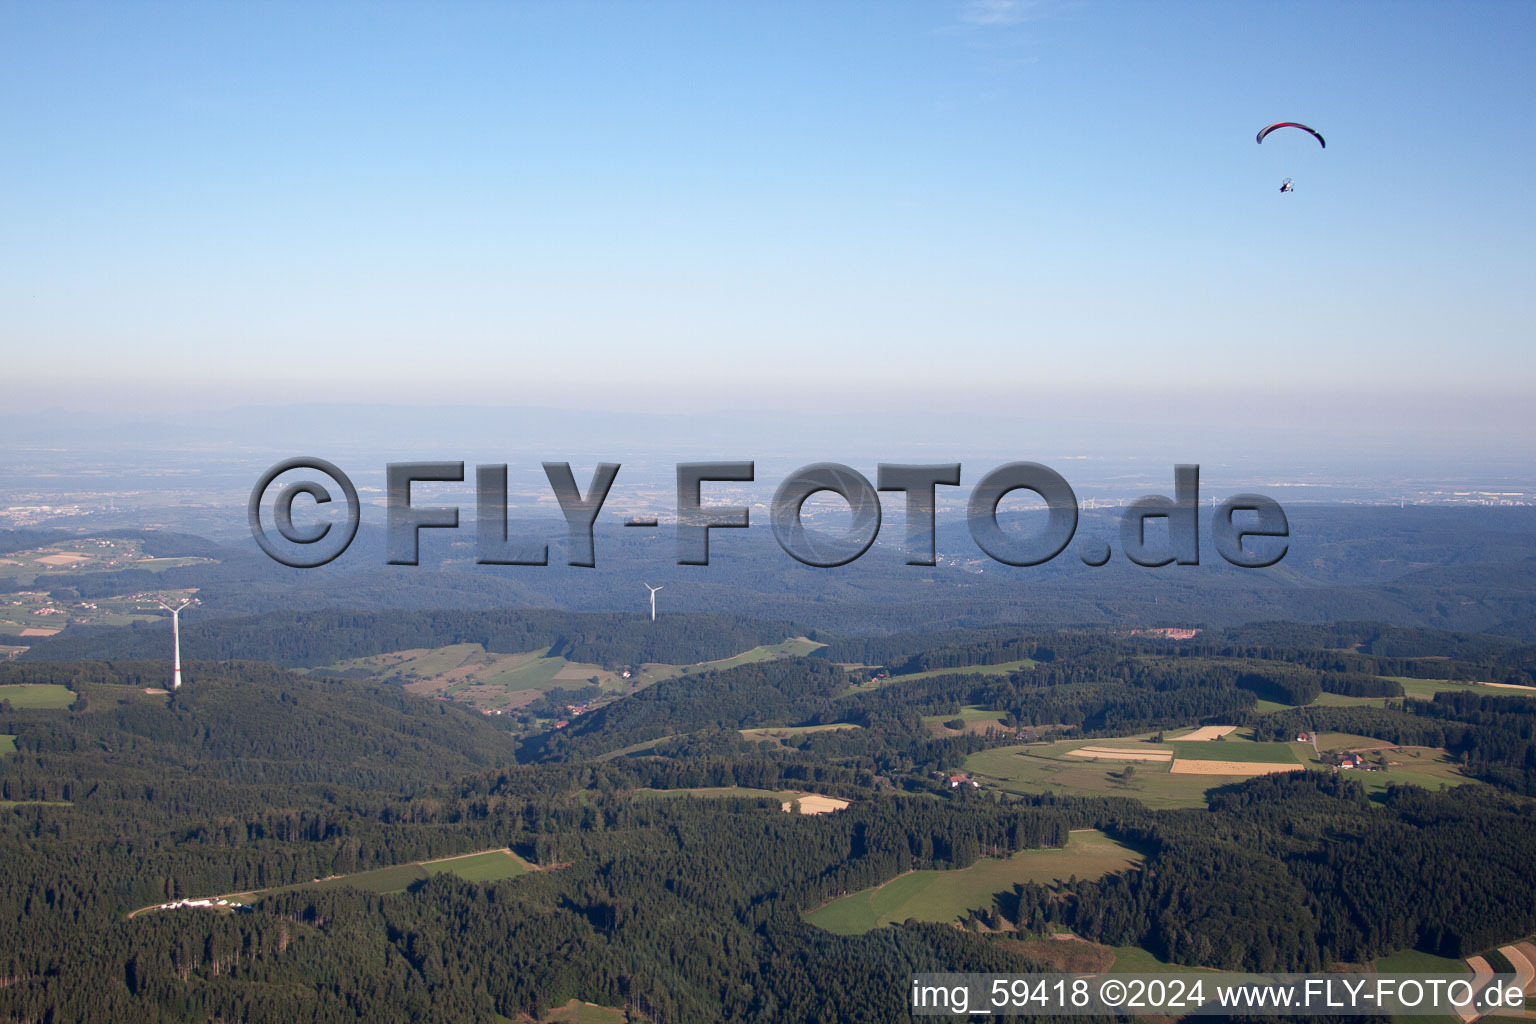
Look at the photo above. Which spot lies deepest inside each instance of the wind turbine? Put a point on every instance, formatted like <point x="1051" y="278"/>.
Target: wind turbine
<point x="176" y="640"/>
<point x="653" y="599"/>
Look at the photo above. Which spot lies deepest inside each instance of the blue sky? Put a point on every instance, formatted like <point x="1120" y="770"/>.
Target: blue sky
<point x="770" y="205"/>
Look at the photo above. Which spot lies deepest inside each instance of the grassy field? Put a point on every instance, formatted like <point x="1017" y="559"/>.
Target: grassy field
<point x="777" y="735"/>
<point x="1429" y="767"/>
<point x="947" y="895"/>
<point x="536" y="673"/>
<point x="1344" y="741"/>
<point x="38" y="695"/>
<point x="1411" y="961"/>
<point x="978" y="721"/>
<point x="578" y="1012"/>
<point x="490" y="866"/>
<point x="1232" y="749"/>
<point x="7" y="743"/>
<point x="494" y="681"/>
<point x="105" y="695"/>
<point x="1000" y="669"/>
<point x="969" y="715"/>
<point x="1135" y="960"/>
<point x="483" y="679"/>
<point x="1425" y="689"/>
<point x="795" y="647"/>
<point x="1418" y="689"/>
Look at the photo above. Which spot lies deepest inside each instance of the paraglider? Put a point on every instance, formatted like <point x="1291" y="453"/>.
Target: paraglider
<point x="1286" y="185"/>
<point x="1291" y="124"/>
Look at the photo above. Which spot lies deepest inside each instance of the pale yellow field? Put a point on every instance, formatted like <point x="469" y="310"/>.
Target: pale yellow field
<point x="60" y="559"/>
<point x="812" y="803"/>
<point x="1512" y="686"/>
<point x="1205" y="732"/>
<point x="1187" y="767"/>
<point x="1113" y="754"/>
<point x="34" y="631"/>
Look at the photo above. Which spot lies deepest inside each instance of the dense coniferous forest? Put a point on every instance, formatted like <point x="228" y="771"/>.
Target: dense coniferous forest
<point x="1297" y="871"/>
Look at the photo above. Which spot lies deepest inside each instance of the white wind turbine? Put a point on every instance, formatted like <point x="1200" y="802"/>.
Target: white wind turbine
<point x="653" y="599"/>
<point x="176" y="640"/>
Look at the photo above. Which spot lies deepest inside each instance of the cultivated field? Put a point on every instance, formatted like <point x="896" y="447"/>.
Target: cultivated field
<point x="1206" y="733"/>
<point x="948" y="895"/>
<point x="37" y="695"/>
<point x="1244" y="751"/>
<point x="812" y="803"/>
<point x="84" y="555"/>
<point x="1512" y="687"/>
<point x="7" y="743"/>
<point x="1098" y="767"/>
<point x="1230" y="768"/>
<point x="1097" y="753"/>
<point x="29" y="613"/>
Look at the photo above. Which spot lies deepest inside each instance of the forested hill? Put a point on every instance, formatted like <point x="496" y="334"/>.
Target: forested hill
<point x="243" y="724"/>
<point x="311" y="638"/>
<point x="788" y="691"/>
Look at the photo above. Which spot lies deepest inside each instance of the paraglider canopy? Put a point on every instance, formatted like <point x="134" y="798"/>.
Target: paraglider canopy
<point x="1290" y="124"/>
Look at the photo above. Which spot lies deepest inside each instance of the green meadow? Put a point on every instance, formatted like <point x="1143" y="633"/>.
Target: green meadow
<point x="948" y="895"/>
<point x="50" y="696"/>
<point x="489" y="866"/>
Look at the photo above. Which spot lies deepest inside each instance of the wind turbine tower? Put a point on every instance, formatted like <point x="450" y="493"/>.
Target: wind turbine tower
<point x="176" y="640"/>
<point x="653" y="599"/>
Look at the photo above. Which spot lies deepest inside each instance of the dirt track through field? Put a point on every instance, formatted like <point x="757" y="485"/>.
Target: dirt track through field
<point x="1482" y="974"/>
<point x="1525" y="971"/>
<point x="1186" y="767"/>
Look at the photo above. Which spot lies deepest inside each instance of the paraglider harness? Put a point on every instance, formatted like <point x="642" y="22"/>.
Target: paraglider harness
<point x="1286" y="186"/>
